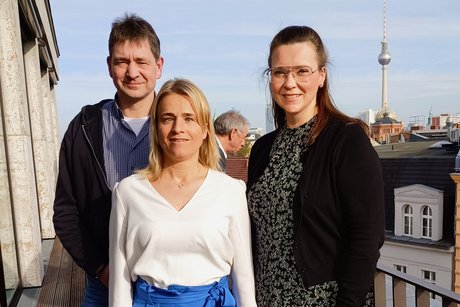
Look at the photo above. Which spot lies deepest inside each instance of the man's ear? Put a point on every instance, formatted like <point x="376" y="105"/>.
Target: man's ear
<point x="233" y="133"/>
<point x="109" y="66"/>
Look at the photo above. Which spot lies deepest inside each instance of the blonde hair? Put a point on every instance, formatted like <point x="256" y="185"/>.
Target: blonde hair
<point x="208" y="154"/>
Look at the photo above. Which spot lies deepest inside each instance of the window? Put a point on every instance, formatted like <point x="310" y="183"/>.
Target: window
<point x="408" y="220"/>
<point x="401" y="268"/>
<point x="429" y="276"/>
<point x="427" y="222"/>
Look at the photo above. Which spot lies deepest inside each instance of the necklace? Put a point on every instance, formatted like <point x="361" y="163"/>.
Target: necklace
<point x="179" y="185"/>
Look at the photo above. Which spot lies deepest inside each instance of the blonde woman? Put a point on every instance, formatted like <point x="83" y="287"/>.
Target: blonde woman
<point x="179" y="227"/>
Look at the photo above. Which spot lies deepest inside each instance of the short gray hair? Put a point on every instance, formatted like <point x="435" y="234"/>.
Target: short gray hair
<point x="226" y="122"/>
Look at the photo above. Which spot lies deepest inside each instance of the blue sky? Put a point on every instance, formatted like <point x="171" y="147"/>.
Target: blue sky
<point x="223" y="46"/>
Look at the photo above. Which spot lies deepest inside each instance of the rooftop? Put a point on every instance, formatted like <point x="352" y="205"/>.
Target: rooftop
<point x="428" y="149"/>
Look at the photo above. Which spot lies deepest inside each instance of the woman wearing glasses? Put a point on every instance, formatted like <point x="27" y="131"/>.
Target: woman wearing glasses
<point x="315" y="188"/>
<point x="180" y="227"/>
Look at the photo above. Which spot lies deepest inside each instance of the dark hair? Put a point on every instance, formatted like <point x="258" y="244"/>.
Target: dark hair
<point x="324" y="102"/>
<point x="133" y="28"/>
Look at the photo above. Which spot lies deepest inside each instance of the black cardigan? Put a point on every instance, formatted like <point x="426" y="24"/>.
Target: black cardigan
<point x="338" y="209"/>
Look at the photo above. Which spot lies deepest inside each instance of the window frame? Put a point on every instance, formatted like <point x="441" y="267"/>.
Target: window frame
<point x="408" y="228"/>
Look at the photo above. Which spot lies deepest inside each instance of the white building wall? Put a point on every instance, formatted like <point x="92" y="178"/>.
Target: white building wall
<point x="367" y="116"/>
<point x="28" y="145"/>
<point x="414" y="256"/>
<point x="19" y="150"/>
<point x="417" y="258"/>
<point x="443" y="120"/>
<point x="37" y="110"/>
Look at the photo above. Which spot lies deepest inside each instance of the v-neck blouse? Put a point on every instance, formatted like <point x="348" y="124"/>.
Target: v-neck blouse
<point x="206" y="240"/>
<point x="164" y="202"/>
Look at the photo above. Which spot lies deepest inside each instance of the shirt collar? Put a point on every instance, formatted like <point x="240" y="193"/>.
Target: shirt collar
<point x="221" y="147"/>
<point x="116" y="111"/>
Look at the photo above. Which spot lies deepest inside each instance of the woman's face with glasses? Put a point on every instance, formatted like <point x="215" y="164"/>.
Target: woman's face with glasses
<point x="295" y="77"/>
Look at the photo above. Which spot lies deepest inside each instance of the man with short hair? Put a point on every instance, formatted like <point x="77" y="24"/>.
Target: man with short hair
<point x="103" y="144"/>
<point x="231" y="130"/>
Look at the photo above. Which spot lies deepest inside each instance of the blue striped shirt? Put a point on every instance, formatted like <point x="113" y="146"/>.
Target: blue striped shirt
<point x="124" y="152"/>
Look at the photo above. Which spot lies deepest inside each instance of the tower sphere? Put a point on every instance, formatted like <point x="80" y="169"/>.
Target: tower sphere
<point x="384" y="58"/>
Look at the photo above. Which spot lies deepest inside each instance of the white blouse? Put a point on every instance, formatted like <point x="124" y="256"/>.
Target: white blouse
<point x="206" y="240"/>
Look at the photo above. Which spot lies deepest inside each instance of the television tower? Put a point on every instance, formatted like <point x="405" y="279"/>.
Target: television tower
<point x="384" y="59"/>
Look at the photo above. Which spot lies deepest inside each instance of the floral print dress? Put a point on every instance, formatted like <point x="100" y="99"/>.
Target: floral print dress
<point x="270" y="202"/>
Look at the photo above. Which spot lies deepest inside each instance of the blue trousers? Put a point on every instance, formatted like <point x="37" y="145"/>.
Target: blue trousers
<point x="216" y="294"/>
<point x="96" y="294"/>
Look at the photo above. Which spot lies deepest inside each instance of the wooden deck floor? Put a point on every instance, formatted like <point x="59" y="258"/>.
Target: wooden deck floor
<point x="64" y="282"/>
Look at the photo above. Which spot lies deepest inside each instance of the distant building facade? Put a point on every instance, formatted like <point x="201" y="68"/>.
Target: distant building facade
<point x="420" y="210"/>
<point x="269" y="121"/>
<point x="386" y="130"/>
<point x="254" y="133"/>
<point x="29" y="141"/>
<point x="367" y="116"/>
<point x="440" y="122"/>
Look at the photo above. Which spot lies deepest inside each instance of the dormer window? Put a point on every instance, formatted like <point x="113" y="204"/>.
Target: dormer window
<point x="419" y="212"/>
<point x="408" y="220"/>
<point x="427" y="222"/>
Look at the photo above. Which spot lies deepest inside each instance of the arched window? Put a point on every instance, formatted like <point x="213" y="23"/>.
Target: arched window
<point x="427" y="222"/>
<point x="408" y="220"/>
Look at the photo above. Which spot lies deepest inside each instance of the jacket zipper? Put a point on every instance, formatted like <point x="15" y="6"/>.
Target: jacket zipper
<point x="95" y="157"/>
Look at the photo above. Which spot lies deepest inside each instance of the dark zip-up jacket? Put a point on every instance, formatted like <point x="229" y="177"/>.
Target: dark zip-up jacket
<point x="83" y="198"/>
<point x="338" y="209"/>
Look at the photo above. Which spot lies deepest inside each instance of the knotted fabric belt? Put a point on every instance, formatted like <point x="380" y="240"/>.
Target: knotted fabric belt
<point x="216" y="294"/>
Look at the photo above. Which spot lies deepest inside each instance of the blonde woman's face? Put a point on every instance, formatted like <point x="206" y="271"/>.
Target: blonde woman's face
<point x="180" y="134"/>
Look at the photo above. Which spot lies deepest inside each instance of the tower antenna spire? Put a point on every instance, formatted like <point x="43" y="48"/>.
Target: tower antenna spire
<point x="384" y="20"/>
<point x="384" y="59"/>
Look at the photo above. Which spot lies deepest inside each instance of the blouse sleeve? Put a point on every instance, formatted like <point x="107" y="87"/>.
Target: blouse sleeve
<point x="120" y="288"/>
<point x="242" y="274"/>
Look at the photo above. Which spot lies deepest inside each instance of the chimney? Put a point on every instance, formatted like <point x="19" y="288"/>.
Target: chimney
<point x="449" y="128"/>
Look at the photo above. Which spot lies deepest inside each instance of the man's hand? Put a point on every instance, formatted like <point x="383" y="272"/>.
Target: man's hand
<point x="104" y="275"/>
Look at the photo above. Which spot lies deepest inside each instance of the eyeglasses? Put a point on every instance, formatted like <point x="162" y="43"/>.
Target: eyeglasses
<point x="300" y="73"/>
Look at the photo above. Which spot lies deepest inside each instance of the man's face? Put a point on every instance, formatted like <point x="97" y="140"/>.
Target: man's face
<point x="237" y="140"/>
<point x="134" y="70"/>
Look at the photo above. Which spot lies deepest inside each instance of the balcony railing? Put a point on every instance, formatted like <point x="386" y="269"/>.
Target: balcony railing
<point x="394" y="288"/>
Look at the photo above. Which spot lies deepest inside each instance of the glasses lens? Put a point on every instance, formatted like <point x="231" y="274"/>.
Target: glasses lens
<point x="302" y="73"/>
<point x="280" y="74"/>
<point x="277" y="74"/>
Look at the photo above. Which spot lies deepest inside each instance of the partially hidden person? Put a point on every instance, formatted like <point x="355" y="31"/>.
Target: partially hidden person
<point x="103" y="144"/>
<point x="231" y="129"/>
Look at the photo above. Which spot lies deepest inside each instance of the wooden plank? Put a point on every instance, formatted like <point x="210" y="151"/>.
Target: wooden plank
<point x="48" y="289"/>
<point x="64" y="282"/>
<point x="62" y="294"/>
<point x="78" y="285"/>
